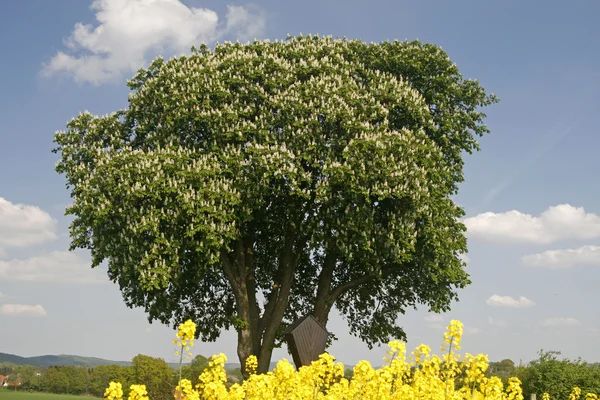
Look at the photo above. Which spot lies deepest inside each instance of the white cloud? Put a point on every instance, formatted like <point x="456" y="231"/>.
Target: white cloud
<point x="496" y="323"/>
<point x="127" y="32"/>
<point x="22" y="310"/>
<point x="560" y="322"/>
<point x="564" y="258"/>
<point x="509" y="302"/>
<point x="24" y="225"/>
<point x="556" y="223"/>
<point x="245" y="24"/>
<point x="57" y="267"/>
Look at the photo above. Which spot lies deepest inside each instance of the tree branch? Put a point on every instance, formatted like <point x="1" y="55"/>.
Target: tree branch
<point x="279" y="299"/>
<point x="324" y="300"/>
<point x="282" y="284"/>
<point x="326" y="275"/>
<point x="228" y="269"/>
<point x="344" y="287"/>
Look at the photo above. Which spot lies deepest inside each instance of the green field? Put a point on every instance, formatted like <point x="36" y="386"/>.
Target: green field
<point x="6" y="394"/>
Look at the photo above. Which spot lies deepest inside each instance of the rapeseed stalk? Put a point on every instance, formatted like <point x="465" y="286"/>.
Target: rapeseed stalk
<point x="185" y="339"/>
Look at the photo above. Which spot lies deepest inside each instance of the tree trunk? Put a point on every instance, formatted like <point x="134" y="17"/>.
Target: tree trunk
<point x="239" y="271"/>
<point x="256" y="333"/>
<point x="324" y="299"/>
<point x="247" y="337"/>
<point x="321" y="311"/>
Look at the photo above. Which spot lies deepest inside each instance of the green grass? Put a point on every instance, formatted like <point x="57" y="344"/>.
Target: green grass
<point x="9" y="394"/>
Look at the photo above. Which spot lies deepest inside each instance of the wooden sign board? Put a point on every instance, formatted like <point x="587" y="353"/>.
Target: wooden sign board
<point x="306" y="339"/>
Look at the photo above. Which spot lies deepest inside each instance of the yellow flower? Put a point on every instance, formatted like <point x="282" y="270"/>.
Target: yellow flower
<point x="514" y="389"/>
<point x="185" y="391"/>
<point x="575" y="394"/>
<point x="426" y="377"/>
<point x="114" y="391"/>
<point x="251" y="364"/>
<point x="186" y="331"/>
<point x="138" y="392"/>
<point x="421" y="351"/>
<point x="453" y="335"/>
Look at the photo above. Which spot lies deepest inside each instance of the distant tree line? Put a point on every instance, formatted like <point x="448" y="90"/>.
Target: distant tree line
<point x="160" y="379"/>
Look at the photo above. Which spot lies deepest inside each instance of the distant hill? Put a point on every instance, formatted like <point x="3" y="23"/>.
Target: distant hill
<point x="62" y="360"/>
<point x="65" y="359"/>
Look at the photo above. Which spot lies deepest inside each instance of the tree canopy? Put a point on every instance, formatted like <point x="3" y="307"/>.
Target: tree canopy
<point x="251" y="184"/>
<point x="155" y="374"/>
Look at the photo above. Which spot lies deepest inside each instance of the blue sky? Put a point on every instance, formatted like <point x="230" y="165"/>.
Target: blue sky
<point x="530" y="195"/>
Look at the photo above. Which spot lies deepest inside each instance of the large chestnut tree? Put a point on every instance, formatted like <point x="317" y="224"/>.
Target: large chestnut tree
<point x="251" y="184"/>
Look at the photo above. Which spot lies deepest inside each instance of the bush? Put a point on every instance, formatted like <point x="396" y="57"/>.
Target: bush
<point x="558" y="377"/>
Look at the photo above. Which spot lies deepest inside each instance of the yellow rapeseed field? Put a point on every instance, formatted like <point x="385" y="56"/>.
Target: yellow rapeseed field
<point x="420" y="375"/>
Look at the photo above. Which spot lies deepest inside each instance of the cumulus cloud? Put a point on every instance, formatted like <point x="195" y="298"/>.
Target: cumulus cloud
<point x="24" y="225"/>
<point x="557" y="223"/>
<point x="509" y="302"/>
<point x="245" y="23"/>
<point x="564" y="258"/>
<point x="56" y="267"/>
<point x="128" y="32"/>
<point x="560" y="322"/>
<point x="22" y="310"/>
